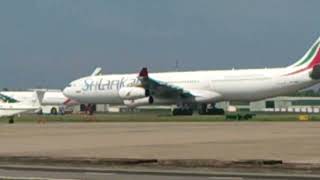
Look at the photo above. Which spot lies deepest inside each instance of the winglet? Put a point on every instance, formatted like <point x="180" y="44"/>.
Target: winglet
<point x="144" y="73"/>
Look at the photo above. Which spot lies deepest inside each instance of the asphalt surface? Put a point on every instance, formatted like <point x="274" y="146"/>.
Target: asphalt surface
<point x="55" y="174"/>
<point x="287" y="141"/>
<point x="34" y="175"/>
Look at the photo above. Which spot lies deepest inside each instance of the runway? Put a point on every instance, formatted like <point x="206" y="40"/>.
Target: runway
<point x="34" y="175"/>
<point x="68" y="173"/>
<point x="288" y="141"/>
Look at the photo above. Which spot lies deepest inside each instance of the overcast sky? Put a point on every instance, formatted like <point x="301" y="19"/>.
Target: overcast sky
<point x="48" y="43"/>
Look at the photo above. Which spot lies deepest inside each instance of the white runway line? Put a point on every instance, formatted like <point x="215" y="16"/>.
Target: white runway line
<point x="31" y="178"/>
<point x="226" y="178"/>
<point x="99" y="174"/>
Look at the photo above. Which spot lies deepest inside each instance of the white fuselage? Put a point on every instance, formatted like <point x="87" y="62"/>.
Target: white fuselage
<point x="11" y="109"/>
<point x="28" y="101"/>
<point x="51" y="97"/>
<point x="239" y="85"/>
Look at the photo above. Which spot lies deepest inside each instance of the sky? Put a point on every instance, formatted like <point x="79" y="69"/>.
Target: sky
<point x="48" y="43"/>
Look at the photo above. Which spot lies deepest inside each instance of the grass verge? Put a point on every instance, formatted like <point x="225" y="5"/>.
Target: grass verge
<point x="153" y="117"/>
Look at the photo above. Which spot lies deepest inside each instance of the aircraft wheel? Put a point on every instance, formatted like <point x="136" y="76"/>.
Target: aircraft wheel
<point x="182" y="112"/>
<point x="54" y="111"/>
<point x="151" y="100"/>
<point x="202" y="109"/>
<point x="11" y="120"/>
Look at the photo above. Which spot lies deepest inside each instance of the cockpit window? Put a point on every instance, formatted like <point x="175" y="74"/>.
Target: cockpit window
<point x="72" y="85"/>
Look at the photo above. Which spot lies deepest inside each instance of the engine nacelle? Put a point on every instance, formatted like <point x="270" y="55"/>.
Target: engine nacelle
<point x="139" y="102"/>
<point x="130" y="93"/>
<point x="203" y="96"/>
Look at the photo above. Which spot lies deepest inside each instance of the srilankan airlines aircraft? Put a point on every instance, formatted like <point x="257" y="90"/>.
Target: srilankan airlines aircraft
<point x="10" y="107"/>
<point x="200" y="88"/>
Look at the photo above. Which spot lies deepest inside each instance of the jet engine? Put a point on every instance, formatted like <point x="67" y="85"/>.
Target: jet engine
<point x="139" y="102"/>
<point x="131" y="93"/>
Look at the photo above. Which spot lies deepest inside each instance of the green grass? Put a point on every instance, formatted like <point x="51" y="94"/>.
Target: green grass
<point x="153" y="117"/>
<point x="117" y="118"/>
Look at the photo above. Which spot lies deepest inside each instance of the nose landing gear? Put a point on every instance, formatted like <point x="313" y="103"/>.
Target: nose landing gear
<point x="210" y="109"/>
<point x="11" y="120"/>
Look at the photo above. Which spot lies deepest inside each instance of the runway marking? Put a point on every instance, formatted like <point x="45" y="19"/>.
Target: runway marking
<point x="100" y="174"/>
<point x="226" y="178"/>
<point x="30" y="178"/>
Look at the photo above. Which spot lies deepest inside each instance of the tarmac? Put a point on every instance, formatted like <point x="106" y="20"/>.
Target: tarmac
<point x="64" y="173"/>
<point x="287" y="141"/>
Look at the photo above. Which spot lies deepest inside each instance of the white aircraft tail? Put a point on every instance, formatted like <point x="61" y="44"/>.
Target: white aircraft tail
<point x="309" y="62"/>
<point x="38" y="97"/>
<point x="7" y="99"/>
<point x="310" y="59"/>
<point x="97" y="72"/>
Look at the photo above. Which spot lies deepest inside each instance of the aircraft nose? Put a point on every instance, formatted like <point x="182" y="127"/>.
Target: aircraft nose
<point x="67" y="92"/>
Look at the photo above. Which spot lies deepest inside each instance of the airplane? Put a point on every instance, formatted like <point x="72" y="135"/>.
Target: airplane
<point x="10" y="107"/>
<point x="199" y="89"/>
<point x="53" y="102"/>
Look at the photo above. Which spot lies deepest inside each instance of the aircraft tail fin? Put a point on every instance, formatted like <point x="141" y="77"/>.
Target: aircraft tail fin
<point x="7" y="99"/>
<point x="311" y="58"/>
<point x="97" y="72"/>
<point x="38" y="97"/>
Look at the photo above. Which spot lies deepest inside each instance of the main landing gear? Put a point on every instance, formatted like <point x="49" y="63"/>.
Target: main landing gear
<point x="210" y="109"/>
<point x="184" y="110"/>
<point x="203" y="109"/>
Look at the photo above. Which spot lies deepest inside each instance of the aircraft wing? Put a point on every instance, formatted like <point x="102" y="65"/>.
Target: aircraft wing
<point x="161" y="89"/>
